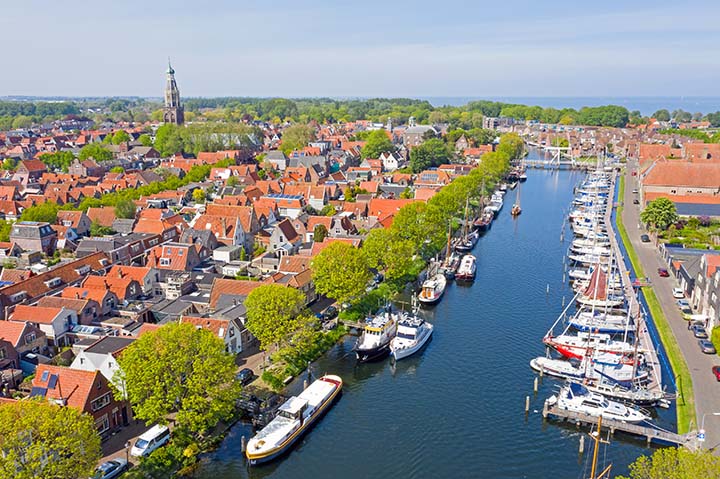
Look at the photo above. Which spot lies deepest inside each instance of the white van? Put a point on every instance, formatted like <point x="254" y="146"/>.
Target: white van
<point x="150" y="440"/>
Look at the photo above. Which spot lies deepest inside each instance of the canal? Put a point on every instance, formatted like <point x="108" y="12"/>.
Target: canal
<point x="457" y="409"/>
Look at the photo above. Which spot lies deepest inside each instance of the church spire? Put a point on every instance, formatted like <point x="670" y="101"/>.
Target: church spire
<point x="173" y="111"/>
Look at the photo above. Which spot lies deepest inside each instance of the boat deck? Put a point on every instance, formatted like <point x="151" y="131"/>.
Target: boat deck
<point x="651" y="434"/>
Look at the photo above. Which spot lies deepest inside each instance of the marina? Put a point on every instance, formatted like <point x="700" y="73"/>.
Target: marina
<point x="456" y="407"/>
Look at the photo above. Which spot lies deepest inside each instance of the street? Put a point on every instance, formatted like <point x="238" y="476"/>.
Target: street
<point x="705" y="386"/>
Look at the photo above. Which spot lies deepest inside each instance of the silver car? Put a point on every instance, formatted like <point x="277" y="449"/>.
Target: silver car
<point x="706" y="346"/>
<point x="111" y="469"/>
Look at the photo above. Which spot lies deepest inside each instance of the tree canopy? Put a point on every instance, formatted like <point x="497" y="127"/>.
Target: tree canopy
<point x="377" y="142"/>
<point x="383" y="250"/>
<point x="125" y="209"/>
<point x="430" y="153"/>
<point x="676" y="463"/>
<point x="180" y="369"/>
<point x="272" y="311"/>
<point x="340" y="272"/>
<point x="296" y="137"/>
<point x="44" y="212"/>
<point x="33" y="431"/>
<point x="95" y="151"/>
<point x="659" y="213"/>
<point x="120" y="136"/>
<point x="60" y="160"/>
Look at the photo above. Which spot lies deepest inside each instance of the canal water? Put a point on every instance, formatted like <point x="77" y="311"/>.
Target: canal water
<point x="457" y="409"/>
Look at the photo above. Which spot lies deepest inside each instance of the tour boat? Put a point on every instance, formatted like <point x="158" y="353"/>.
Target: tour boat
<point x="577" y="398"/>
<point x="413" y="332"/>
<point x="432" y="289"/>
<point x="294" y="418"/>
<point x="374" y="342"/>
<point x="466" y="270"/>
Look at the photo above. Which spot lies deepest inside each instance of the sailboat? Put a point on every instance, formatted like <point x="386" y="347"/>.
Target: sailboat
<point x="516" y="210"/>
<point x="469" y="237"/>
<point x="452" y="260"/>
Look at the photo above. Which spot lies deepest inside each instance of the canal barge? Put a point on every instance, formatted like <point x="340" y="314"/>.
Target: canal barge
<point x="295" y="417"/>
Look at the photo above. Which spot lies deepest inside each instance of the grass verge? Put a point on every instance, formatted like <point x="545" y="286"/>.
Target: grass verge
<point x="685" y="404"/>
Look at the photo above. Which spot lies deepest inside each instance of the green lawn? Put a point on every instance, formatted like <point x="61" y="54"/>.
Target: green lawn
<point x="685" y="404"/>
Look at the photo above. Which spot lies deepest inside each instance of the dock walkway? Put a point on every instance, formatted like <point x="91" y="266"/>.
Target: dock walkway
<point x="651" y="434"/>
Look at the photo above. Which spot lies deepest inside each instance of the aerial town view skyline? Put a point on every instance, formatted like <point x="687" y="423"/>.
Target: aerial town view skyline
<point x="392" y="240"/>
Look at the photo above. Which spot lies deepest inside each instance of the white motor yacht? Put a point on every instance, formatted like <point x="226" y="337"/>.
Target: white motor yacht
<point x="577" y="398"/>
<point x="432" y="289"/>
<point x="413" y="332"/>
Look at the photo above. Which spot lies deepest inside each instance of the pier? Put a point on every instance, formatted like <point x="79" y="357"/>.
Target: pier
<point x="652" y="435"/>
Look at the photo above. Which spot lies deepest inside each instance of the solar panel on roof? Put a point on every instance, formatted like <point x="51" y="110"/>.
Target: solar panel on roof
<point x="53" y="381"/>
<point x="36" y="391"/>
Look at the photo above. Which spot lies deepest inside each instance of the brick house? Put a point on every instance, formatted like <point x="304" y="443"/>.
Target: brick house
<point x="86" y="391"/>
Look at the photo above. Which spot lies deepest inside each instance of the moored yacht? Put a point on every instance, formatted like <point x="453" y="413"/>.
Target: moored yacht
<point x="577" y="398"/>
<point x="413" y="332"/>
<point x="294" y="418"/>
<point x="374" y="342"/>
<point x="466" y="270"/>
<point x="432" y="289"/>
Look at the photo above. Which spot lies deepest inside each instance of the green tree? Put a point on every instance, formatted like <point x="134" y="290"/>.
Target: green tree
<point x="117" y="169"/>
<point x="179" y="369"/>
<point x="145" y="140"/>
<point x="96" y="151"/>
<point x="125" y="208"/>
<point x="60" y="160"/>
<point x="432" y="152"/>
<point x="377" y="142"/>
<point x="340" y="271"/>
<point x="168" y="140"/>
<point x="44" y="212"/>
<point x="9" y="164"/>
<point x="21" y="122"/>
<point x="96" y="229"/>
<point x="659" y="213"/>
<point x="384" y="251"/>
<point x="296" y="137"/>
<point x="328" y="210"/>
<point x="512" y="145"/>
<point x="33" y="431"/>
<point x="232" y="181"/>
<point x="198" y="195"/>
<point x="120" y="136"/>
<point x="320" y="232"/>
<point x="272" y="312"/>
<point x="676" y="463"/>
<point x="662" y="115"/>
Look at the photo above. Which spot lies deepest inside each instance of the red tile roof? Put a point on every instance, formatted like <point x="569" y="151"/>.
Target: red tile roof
<point x="76" y="387"/>
<point x="35" y="314"/>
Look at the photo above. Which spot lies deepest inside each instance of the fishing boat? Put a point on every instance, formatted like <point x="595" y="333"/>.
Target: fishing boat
<point x="577" y="398"/>
<point x="432" y="289"/>
<point x="413" y="332"/>
<point x="294" y="418"/>
<point x="374" y="342"/>
<point x="466" y="270"/>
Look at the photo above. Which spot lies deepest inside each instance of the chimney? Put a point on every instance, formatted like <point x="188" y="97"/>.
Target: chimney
<point x="77" y="295"/>
<point x="107" y="286"/>
<point x="120" y="273"/>
<point x="223" y="225"/>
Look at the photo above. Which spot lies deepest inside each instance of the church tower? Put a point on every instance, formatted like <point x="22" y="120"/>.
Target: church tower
<point x="173" y="111"/>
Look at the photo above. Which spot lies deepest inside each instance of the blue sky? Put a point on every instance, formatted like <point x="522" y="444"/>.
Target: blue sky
<point x="370" y="48"/>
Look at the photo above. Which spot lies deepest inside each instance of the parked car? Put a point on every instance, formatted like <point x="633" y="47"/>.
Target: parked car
<point x="678" y="293"/>
<point x="150" y="440"/>
<point x="329" y="313"/>
<point x="687" y="313"/>
<point x="699" y="331"/>
<point x="663" y="273"/>
<point x="635" y="191"/>
<point x="636" y="201"/>
<point x="716" y="372"/>
<point x="683" y="303"/>
<point x="706" y="346"/>
<point x="110" y="469"/>
<point x="645" y="238"/>
<point x="245" y="376"/>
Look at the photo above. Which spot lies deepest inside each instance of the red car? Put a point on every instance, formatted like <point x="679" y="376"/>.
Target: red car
<point x="716" y="372"/>
<point x="663" y="273"/>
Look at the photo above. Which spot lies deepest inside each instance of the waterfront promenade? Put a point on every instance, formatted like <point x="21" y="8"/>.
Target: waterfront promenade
<point x="706" y="387"/>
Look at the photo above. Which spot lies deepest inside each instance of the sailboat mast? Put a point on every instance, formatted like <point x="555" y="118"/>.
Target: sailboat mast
<point x="596" y="438"/>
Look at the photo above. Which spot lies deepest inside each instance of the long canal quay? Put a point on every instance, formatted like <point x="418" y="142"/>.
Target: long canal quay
<point x="457" y="409"/>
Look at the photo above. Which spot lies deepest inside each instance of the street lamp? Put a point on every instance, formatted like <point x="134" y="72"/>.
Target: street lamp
<point x="701" y="432"/>
<point x="127" y="452"/>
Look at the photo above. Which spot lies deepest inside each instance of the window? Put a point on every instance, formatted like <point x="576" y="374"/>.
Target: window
<point x="3" y="353"/>
<point x="100" y="402"/>
<point x="102" y="424"/>
<point x="29" y="338"/>
<point x="180" y="252"/>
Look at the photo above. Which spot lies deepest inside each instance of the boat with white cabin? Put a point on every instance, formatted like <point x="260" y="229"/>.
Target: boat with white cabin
<point x="413" y="332"/>
<point x="432" y="289"/>
<point x="466" y="270"/>
<point x="577" y="398"/>
<point x="374" y="342"/>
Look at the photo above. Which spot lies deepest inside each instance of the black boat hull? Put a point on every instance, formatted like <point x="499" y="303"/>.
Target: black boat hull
<point x="375" y="354"/>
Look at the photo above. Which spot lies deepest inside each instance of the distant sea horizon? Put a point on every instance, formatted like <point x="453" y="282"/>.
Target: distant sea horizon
<point x="647" y="105"/>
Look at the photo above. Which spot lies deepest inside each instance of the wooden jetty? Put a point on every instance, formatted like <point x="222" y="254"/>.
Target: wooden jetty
<point x="651" y="434"/>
